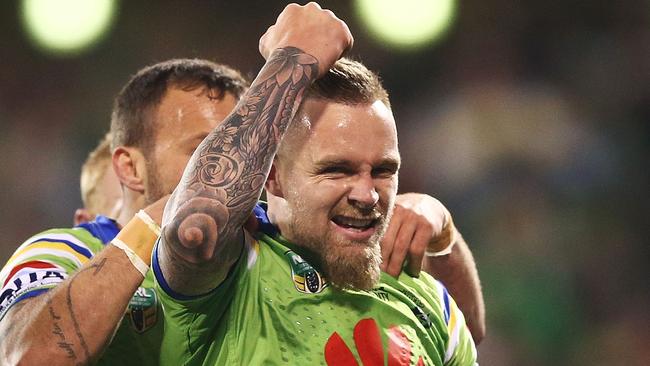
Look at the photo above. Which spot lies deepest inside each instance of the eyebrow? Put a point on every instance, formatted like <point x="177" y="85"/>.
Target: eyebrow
<point x="388" y="161"/>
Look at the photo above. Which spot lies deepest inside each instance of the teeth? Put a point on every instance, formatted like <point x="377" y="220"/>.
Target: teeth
<point x="353" y="222"/>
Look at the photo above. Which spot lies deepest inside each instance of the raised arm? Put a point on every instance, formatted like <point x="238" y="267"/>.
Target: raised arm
<point x="422" y="224"/>
<point x="203" y="235"/>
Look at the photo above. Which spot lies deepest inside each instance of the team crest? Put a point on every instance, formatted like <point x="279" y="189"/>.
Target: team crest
<point x="305" y="278"/>
<point x="143" y="309"/>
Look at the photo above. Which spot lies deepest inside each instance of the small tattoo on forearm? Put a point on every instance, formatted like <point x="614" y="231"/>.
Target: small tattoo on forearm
<point x="62" y="341"/>
<point x="98" y="266"/>
<point x="73" y="316"/>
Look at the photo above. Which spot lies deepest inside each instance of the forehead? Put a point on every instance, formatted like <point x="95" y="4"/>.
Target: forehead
<point x="362" y="131"/>
<point x="183" y="113"/>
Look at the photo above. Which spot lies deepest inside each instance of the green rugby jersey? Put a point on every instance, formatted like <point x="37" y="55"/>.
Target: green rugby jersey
<point x="48" y="258"/>
<point x="275" y="308"/>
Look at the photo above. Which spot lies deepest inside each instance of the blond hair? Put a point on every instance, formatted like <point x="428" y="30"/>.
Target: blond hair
<point x="92" y="172"/>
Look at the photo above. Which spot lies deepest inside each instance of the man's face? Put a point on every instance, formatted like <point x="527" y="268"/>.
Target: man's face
<point x="182" y="120"/>
<point x="339" y="181"/>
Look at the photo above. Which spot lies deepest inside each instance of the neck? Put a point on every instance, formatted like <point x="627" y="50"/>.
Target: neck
<point x="133" y="202"/>
<point x="277" y="213"/>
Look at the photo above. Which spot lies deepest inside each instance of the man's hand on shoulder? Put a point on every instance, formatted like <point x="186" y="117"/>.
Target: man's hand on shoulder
<point x="420" y="224"/>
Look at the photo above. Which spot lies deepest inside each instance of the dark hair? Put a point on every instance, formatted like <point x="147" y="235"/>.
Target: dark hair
<point x="131" y="122"/>
<point x="349" y="82"/>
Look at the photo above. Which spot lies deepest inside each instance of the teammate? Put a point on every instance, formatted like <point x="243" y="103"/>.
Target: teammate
<point x="65" y="291"/>
<point x="101" y="193"/>
<point x="307" y="288"/>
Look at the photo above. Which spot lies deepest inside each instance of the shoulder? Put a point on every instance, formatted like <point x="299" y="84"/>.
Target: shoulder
<point x="43" y="261"/>
<point x="52" y="250"/>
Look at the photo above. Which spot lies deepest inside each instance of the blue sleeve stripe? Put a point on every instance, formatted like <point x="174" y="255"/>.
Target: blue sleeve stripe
<point x="445" y="298"/>
<point x="81" y="250"/>
<point x="161" y="279"/>
<point x="30" y="294"/>
<point x="22" y="297"/>
<point x="178" y="296"/>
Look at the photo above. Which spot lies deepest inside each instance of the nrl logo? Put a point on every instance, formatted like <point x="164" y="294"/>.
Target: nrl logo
<point x="305" y="278"/>
<point x="143" y="309"/>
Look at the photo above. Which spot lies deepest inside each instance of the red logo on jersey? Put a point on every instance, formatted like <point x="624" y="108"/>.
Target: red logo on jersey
<point x="367" y="339"/>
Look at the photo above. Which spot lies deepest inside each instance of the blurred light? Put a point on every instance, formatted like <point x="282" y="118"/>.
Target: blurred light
<point x="407" y="23"/>
<point x="67" y="27"/>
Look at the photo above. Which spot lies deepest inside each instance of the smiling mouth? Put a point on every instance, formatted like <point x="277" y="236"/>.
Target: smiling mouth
<point x="353" y="223"/>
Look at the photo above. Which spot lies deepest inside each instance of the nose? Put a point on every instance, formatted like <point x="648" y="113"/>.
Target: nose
<point x="363" y="193"/>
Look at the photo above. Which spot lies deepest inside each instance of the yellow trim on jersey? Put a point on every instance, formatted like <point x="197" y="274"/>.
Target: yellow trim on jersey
<point x="44" y="244"/>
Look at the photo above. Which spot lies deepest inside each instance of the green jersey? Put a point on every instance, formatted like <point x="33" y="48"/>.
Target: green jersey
<point x="48" y="258"/>
<point x="275" y="308"/>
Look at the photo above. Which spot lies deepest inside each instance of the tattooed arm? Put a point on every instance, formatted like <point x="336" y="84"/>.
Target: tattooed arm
<point x="223" y="180"/>
<point x="72" y="323"/>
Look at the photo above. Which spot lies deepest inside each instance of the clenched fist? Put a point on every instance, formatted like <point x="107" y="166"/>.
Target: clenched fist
<point x="313" y="30"/>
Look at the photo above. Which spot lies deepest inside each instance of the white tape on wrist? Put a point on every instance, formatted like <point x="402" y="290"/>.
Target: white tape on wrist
<point x="137" y="262"/>
<point x="153" y="226"/>
<point x="440" y="253"/>
<point x="454" y="238"/>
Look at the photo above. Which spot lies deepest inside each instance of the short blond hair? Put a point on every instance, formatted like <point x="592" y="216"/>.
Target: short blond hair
<point x="349" y="82"/>
<point x="92" y="172"/>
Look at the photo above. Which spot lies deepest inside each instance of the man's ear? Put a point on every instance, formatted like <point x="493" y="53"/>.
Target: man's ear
<point x="130" y="168"/>
<point x="82" y="215"/>
<point x="273" y="185"/>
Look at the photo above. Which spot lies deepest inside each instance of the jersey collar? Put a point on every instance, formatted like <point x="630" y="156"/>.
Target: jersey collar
<point x="102" y="228"/>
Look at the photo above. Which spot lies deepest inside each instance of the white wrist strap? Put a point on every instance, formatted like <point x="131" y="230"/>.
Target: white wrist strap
<point x="155" y="228"/>
<point x="440" y="253"/>
<point x="137" y="262"/>
<point x="452" y="239"/>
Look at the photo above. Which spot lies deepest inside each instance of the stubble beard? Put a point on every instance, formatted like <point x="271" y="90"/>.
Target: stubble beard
<point x="345" y="264"/>
<point x="154" y="189"/>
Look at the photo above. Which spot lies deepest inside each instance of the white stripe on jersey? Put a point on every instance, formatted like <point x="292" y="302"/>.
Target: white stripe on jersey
<point x="457" y="321"/>
<point x="253" y="247"/>
<point x="42" y="237"/>
<point x="33" y="254"/>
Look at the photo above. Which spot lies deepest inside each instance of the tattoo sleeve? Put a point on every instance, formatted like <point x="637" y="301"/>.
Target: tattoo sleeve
<point x="224" y="178"/>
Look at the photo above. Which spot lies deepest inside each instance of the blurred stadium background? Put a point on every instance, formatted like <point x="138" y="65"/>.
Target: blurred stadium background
<point x="529" y="119"/>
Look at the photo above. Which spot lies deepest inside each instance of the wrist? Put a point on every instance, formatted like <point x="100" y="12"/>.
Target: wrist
<point x="137" y="239"/>
<point x="445" y="241"/>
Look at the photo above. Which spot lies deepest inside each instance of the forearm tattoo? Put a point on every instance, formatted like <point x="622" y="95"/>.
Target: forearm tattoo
<point x="226" y="174"/>
<point x="64" y="341"/>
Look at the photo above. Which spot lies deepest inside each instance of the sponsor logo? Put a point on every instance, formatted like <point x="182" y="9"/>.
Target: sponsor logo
<point x="26" y="282"/>
<point x="143" y="309"/>
<point x="423" y="317"/>
<point x="370" y="348"/>
<point x="305" y="278"/>
<point x="381" y="293"/>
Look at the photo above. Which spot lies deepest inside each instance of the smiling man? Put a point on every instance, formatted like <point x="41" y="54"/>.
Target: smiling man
<point x="306" y="287"/>
<point x="332" y="194"/>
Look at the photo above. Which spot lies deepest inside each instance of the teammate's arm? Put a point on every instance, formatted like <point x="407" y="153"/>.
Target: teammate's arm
<point x="73" y="322"/>
<point x="203" y="236"/>
<point x="420" y="223"/>
<point x="457" y="271"/>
